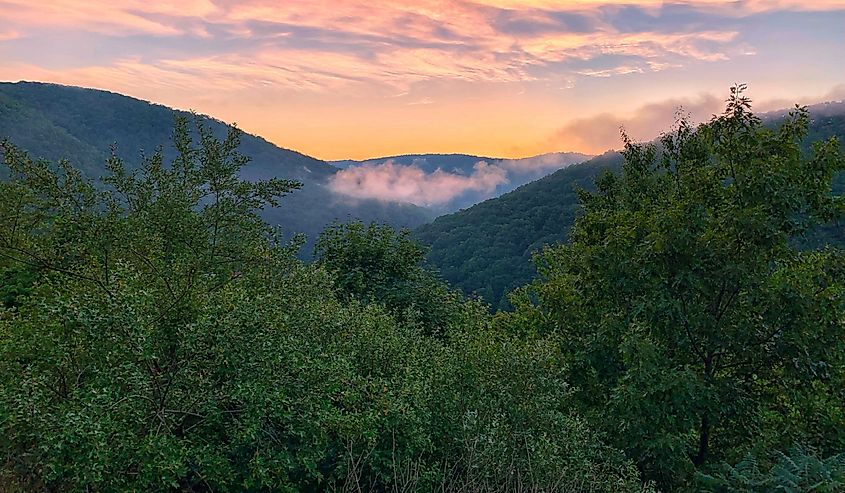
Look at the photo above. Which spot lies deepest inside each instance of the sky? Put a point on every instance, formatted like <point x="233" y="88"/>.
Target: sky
<point x="340" y="79"/>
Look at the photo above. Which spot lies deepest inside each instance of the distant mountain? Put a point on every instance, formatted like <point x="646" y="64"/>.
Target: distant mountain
<point x="487" y="248"/>
<point x="453" y="163"/>
<point x="54" y="122"/>
<point x="511" y="173"/>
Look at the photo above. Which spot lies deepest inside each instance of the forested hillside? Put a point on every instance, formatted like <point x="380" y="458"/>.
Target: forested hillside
<point x="157" y="335"/>
<point x="487" y="248"/>
<point x="62" y="122"/>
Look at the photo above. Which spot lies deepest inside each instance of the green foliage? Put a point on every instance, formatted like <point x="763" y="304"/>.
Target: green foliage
<point x="157" y="335"/>
<point x="375" y="264"/>
<point x="169" y="341"/>
<point x="799" y="471"/>
<point x="369" y="261"/>
<point x="15" y="284"/>
<point x="693" y="328"/>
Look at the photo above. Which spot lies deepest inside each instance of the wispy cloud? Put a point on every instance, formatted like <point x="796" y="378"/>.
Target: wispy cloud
<point x="497" y="69"/>
<point x="423" y="101"/>
<point x="600" y="132"/>
<point x="621" y="70"/>
<point x="124" y="17"/>
<point x="542" y="163"/>
<point x="389" y="180"/>
<point x="7" y="35"/>
<point x="835" y="94"/>
<point x="745" y="7"/>
<point x="324" y="43"/>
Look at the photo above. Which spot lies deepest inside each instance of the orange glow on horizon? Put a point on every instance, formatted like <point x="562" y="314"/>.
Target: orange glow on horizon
<point x="343" y="79"/>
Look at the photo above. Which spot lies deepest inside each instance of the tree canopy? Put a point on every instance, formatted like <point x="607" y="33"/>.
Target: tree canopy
<point x="695" y="330"/>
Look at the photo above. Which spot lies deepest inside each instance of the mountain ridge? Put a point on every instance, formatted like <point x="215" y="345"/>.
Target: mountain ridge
<point x="53" y="121"/>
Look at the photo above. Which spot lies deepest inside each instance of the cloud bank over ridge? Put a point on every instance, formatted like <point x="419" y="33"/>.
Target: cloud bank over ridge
<point x="410" y="183"/>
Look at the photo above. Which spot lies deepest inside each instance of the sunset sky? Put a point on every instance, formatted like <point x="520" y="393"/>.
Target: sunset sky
<point x="506" y="78"/>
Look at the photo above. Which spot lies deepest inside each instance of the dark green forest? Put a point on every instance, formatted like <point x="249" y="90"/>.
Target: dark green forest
<point x="487" y="249"/>
<point x="157" y="334"/>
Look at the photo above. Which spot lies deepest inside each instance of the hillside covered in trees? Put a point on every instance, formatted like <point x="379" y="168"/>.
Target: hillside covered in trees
<point x="157" y="335"/>
<point x="84" y="125"/>
<point x="487" y="249"/>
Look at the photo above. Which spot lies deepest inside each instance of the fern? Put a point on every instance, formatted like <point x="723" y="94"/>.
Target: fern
<point x="800" y="470"/>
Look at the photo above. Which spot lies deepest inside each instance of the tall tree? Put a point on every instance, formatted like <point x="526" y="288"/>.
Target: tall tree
<point x="693" y="327"/>
<point x="376" y="264"/>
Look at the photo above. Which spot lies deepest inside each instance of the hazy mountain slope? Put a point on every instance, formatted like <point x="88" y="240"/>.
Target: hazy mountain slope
<point x="513" y="172"/>
<point x="100" y="119"/>
<point x="54" y="122"/>
<point x="30" y="129"/>
<point x="487" y="249"/>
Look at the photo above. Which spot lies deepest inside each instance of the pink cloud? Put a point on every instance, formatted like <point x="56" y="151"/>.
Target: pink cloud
<point x="648" y="45"/>
<point x="311" y="70"/>
<point x="410" y="183"/>
<point x="835" y="94"/>
<point x="8" y="35"/>
<point x="621" y="70"/>
<point x="389" y="17"/>
<point x="401" y="41"/>
<point x="602" y="132"/>
<point x="124" y="17"/>
<point x="393" y="68"/>
<point x="745" y="7"/>
<point x="390" y="181"/>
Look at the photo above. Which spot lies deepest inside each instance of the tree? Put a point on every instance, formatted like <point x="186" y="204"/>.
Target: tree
<point x="173" y="223"/>
<point x="108" y="362"/>
<point x="695" y="330"/>
<point x="375" y="264"/>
